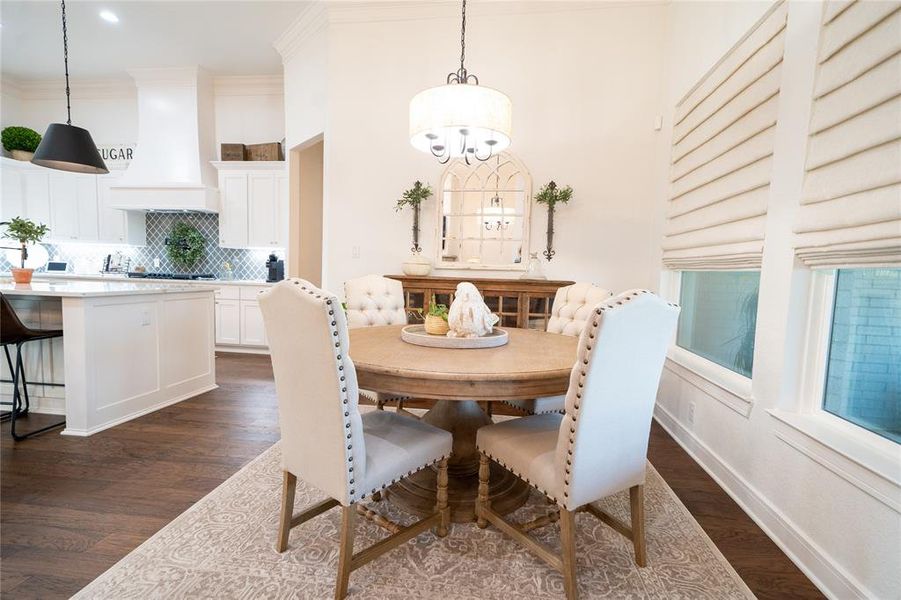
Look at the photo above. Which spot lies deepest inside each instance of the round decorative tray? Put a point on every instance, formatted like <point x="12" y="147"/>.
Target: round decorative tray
<point x="415" y="334"/>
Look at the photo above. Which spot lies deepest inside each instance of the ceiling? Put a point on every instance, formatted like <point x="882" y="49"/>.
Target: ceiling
<point x="224" y="37"/>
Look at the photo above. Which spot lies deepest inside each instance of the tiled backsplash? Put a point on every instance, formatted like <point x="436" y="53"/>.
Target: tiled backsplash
<point x="88" y="258"/>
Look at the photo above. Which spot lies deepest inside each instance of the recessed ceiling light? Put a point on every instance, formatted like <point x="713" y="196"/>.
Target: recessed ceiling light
<point x="109" y="16"/>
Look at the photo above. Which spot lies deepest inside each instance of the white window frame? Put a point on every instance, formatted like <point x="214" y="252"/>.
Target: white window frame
<point x="723" y="384"/>
<point x="864" y="458"/>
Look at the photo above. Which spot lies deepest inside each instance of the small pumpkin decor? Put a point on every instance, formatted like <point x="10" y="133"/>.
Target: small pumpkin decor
<point x="185" y="245"/>
<point x="25" y="232"/>
<point x="551" y="195"/>
<point x="20" y="142"/>
<point x="416" y="265"/>
<point x="436" y="319"/>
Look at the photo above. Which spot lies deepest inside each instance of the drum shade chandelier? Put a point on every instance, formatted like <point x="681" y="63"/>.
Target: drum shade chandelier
<point x="460" y="119"/>
<point x="64" y="146"/>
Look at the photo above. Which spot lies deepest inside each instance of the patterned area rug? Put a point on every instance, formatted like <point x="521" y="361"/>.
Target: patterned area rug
<point x="224" y="547"/>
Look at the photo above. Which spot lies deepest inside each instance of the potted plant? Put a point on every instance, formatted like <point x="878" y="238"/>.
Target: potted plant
<point x="20" y="142"/>
<point x="436" y="319"/>
<point x="550" y="195"/>
<point x="417" y="265"/>
<point x="25" y="232"/>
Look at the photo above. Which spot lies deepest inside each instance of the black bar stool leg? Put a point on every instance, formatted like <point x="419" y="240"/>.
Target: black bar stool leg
<point x="17" y="401"/>
<point x="6" y="416"/>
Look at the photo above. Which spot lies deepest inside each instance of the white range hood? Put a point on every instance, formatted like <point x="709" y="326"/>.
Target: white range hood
<point x="171" y="169"/>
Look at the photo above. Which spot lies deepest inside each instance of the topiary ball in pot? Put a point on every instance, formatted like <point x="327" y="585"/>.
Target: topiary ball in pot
<point x="20" y="142"/>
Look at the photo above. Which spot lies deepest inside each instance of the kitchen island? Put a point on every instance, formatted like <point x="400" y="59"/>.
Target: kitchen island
<point x="127" y="349"/>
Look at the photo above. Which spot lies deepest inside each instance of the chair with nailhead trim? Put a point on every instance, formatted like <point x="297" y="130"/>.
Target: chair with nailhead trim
<point x="569" y="314"/>
<point x="598" y="447"/>
<point x="374" y="301"/>
<point x="326" y="441"/>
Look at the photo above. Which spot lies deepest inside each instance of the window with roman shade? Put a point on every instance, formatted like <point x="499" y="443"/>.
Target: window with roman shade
<point x="722" y="155"/>
<point x="850" y="211"/>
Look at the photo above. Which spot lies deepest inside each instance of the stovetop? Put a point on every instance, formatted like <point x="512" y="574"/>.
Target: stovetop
<point x="179" y="276"/>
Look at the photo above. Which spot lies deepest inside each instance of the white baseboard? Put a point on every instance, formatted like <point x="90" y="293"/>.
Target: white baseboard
<point x="242" y="350"/>
<point x="813" y="561"/>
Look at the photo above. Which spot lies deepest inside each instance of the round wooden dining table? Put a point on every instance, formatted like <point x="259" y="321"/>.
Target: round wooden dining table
<point x="532" y="364"/>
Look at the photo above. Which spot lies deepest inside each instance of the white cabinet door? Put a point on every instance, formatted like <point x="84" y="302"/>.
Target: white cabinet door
<point x="37" y="196"/>
<point x="263" y="210"/>
<point x="228" y="322"/>
<point x="74" y="213"/>
<point x="233" y="210"/>
<point x="116" y="225"/>
<point x="12" y="192"/>
<point x="253" y="332"/>
<point x="63" y="208"/>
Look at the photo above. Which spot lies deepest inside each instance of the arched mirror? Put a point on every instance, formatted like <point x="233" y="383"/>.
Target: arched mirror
<point x="483" y="216"/>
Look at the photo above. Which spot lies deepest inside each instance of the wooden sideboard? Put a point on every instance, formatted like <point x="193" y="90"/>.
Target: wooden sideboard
<point x="518" y="302"/>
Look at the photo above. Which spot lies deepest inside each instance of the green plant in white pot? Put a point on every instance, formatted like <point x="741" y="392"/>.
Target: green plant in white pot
<point x="20" y="142"/>
<point x="25" y="232"/>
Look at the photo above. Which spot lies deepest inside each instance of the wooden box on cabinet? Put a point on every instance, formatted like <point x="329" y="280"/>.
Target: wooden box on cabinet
<point x="522" y="303"/>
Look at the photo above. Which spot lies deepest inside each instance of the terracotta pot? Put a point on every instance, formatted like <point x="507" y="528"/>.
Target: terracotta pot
<point x="22" y="275"/>
<point x="436" y="325"/>
<point x="22" y="155"/>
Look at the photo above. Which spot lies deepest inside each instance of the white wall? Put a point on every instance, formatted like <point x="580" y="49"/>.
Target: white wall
<point x="247" y="110"/>
<point x="583" y="115"/>
<point x="816" y="504"/>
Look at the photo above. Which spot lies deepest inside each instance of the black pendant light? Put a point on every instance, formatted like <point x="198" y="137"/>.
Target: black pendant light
<point x="64" y="146"/>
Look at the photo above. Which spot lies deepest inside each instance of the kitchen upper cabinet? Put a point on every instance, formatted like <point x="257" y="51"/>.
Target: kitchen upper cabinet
<point x="253" y="204"/>
<point x="74" y="211"/>
<point x="37" y="196"/>
<point x="119" y="226"/>
<point x="233" y="210"/>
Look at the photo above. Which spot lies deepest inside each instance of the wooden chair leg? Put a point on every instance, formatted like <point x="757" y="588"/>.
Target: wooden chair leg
<point x="636" y="498"/>
<point x="346" y="550"/>
<point x="442" y="508"/>
<point x="568" y="544"/>
<point x="482" y="503"/>
<point x="289" y="486"/>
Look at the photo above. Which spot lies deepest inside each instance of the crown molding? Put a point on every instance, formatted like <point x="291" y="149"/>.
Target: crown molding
<point x="248" y="85"/>
<point x="49" y="89"/>
<point x="313" y="19"/>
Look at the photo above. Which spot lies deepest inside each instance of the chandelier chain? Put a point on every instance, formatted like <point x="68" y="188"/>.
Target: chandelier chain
<point x="66" y="63"/>
<point x="463" y="40"/>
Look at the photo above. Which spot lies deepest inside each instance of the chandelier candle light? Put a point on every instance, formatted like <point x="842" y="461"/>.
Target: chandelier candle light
<point x="460" y="119"/>
<point x="64" y="146"/>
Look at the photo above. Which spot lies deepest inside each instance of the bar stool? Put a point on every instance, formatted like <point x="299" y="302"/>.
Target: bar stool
<point x="14" y="332"/>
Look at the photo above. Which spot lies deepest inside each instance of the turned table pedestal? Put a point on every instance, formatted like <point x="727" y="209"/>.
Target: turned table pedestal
<point x="532" y="364"/>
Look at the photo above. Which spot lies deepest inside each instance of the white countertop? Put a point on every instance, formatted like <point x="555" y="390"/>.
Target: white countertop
<point x="90" y="289"/>
<point x="136" y="280"/>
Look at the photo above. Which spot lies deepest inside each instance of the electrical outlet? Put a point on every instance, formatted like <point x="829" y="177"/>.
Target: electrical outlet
<point x="355" y="252"/>
<point x="691" y="413"/>
<point x="156" y="263"/>
<point x="145" y="318"/>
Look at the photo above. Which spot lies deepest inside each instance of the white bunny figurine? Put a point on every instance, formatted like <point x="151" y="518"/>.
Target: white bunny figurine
<point x="469" y="316"/>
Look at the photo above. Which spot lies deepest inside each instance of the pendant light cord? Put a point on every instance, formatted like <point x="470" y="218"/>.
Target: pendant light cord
<point x="66" y="62"/>
<point x="463" y="40"/>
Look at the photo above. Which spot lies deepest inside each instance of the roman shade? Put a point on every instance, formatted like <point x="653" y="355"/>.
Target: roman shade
<point x="722" y="155"/>
<point x="850" y="212"/>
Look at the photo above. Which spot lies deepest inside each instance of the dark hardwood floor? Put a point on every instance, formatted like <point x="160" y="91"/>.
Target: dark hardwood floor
<point x="70" y="508"/>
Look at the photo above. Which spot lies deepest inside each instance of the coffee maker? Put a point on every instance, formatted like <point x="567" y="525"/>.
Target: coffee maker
<point x="276" y="267"/>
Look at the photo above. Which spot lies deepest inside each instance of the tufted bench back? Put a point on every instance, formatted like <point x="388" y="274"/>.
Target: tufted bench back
<point x="374" y="300"/>
<point x="572" y="308"/>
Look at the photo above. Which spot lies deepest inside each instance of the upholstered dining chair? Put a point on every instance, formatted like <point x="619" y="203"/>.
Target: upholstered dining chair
<point x="599" y="446"/>
<point x="372" y="301"/>
<point x="325" y="440"/>
<point x="573" y="305"/>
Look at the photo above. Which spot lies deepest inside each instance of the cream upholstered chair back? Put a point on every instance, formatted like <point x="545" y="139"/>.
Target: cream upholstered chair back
<point x="572" y="307"/>
<point x="374" y="300"/>
<point x="603" y="439"/>
<point x="316" y="384"/>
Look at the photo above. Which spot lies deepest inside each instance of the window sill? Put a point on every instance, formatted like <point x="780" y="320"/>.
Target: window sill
<point x="858" y="456"/>
<point x="721" y="384"/>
